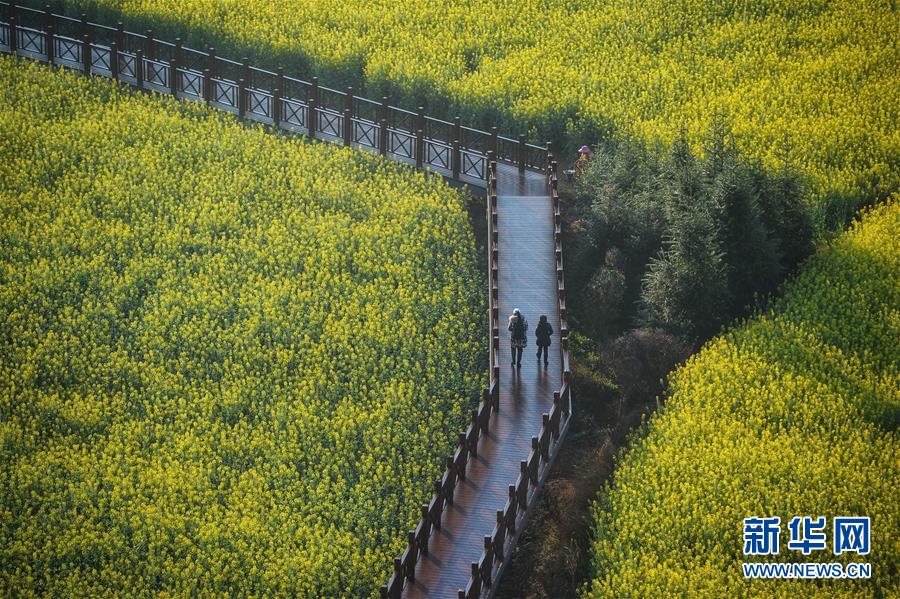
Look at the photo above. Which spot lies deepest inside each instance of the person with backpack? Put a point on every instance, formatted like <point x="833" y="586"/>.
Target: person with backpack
<point x="518" y="326"/>
<point x="543" y="332"/>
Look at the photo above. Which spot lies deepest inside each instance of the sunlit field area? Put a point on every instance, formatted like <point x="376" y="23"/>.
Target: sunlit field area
<point x="231" y="361"/>
<point x="807" y="85"/>
<point x="792" y="413"/>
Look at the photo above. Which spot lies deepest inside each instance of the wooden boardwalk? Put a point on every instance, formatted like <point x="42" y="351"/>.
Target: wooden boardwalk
<point x="527" y="281"/>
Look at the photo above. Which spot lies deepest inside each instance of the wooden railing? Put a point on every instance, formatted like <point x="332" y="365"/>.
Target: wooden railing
<point x="493" y="270"/>
<point x="447" y="147"/>
<point x="444" y="487"/>
<point x="499" y="545"/>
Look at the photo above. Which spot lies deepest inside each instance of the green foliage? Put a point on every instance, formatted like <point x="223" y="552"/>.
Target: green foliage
<point x="686" y="288"/>
<point x="806" y="84"/>
<point x="231" y="361"/>
<point x="606" y="293"/>
<point x="700" y="237"/>
<point x="794" y="412"/>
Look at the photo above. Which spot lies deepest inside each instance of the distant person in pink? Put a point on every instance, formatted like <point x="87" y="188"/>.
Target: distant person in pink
<point x="584" y="158"/>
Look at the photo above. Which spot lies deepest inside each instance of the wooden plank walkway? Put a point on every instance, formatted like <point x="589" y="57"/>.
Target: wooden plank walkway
<point x="528" y="281"/>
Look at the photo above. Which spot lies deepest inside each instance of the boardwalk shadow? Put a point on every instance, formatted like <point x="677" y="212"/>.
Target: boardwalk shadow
<point x="471" y="484"/>
<point x="480" y="459"/>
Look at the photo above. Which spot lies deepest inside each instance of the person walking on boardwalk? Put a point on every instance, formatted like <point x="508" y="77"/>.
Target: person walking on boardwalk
<point x="543" y="332"/>
<point x="518" y="326"/>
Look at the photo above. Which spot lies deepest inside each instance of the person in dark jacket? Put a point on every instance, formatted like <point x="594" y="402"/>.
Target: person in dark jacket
<point x="518" y="326"/>
<point x="543" y="332"/>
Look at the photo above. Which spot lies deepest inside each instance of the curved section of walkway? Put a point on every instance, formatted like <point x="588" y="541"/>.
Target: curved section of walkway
<point x="527" y="281"/>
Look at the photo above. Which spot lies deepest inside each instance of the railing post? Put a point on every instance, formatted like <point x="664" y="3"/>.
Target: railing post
<point x="398" y="573"/>
<point x="312" y="118"/>
<point x="513" y="510"/>
<point x="48" y="37"/>
<point x="500" y="538"/>
<point x="48" y="32"/>
<point x="13" y="35"/>
<point x="426" y="523"/>
<point x="385" y="124"/>
<point x="139" y="69"/>
<point x="452" y="476"/>
<point x="313" y="91"/>
<point x="522" y="151"/>
<point x="312" y="101"/>
<point x="456" y="158"/>
<point x="545" y="438"/>
<point x="420" y="147"/>
<point x="149" y="45"/>
<point x="383" y="136"/>
<point x="279" y="79"/>
<point x="472" y="439"/>
<point x="549" y="157"/>
<point x="348" y="98"/>
<point x="173" y="76"/>
<point x="420" y="118"/>
<point x="557" y="410"/>
<point x="348" y="127"/>
<point x="242" y="97"/>
<point x="385" y="108"/>
<point x="86" y="54"/>
<point x="120" y="36"/>
<point x="276" y="106"/>
<point x="83" y="26"/>
<point x="410" y="569"/>
<point x="435" y="516"/>
<point x="211" y="63"/>
<point x="463" y="456"/>
<point x="246" y="73"/>
<point x="207" y="85"/>
<point x="348" y="117"/>
<point x="487" y="572"/>
<point x="522" y="491"/>
<point x="493" y="145"/>
<point x="114" y="61"/>
<point x="177" y="56"/>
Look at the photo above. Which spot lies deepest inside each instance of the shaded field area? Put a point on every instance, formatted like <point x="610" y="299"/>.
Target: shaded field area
<point x="805" y="85"/>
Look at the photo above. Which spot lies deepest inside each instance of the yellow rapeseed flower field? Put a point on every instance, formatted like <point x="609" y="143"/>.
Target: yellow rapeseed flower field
<point x="792" y="413"/>
<point x="812" y="85"/>
<point x="231" y="361"/>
